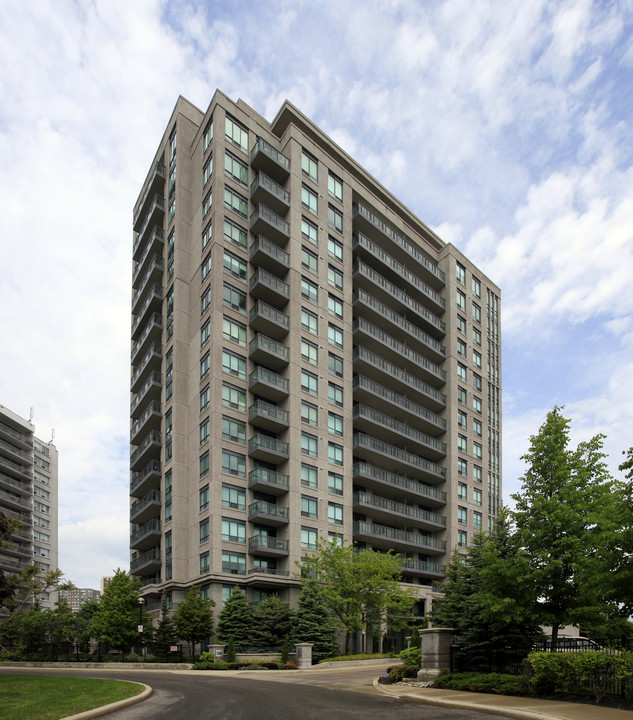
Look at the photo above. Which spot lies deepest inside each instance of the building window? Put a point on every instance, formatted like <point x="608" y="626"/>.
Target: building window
<point x="168" y="484"/>
<point x="476" y="520"/>
<point x="309" y="382"/>
<point x="335" y="483"/>
<point x="170" y="255"/>
<point x="309" y="231"/>
<point x="335" y="248"/>
<point x="234" y="331"/>
<point x="461" y="300"/>
<point x="476" y="285"/>
<point x="233" y="397"/>
<point x="206" y="203"/>
<point x="205" y="301"/>
<point x="233" y="530"/>
<point x="204" y="497"/>
<point x="309" y="475"/>
<point x="462" y="396"/>
<point x="235" y="234"/>
<point x="462" y="373"/>
<point x="208" y="135"/>
<point x="309" y="413"/>
<point x="168" y="546"/>
<point x="235" y="169"/>
<point x="309" y="352"/>
<point x="205" y="364"/>
<point x="236" y="133"/>
<point x="204" y="562"/>
<point x="309" y="198"/>
<point x="309" y="506"/>
<point x="462" y="491"/>
<point x="309" y="165"/>
<point x="462" y="538"/>
<point x="309" y="290"/>
<point x="477" y="474"/>
<point x="233" y="430"/>
<point x="204" y="431"/>
<point x="462" y="443"/>
<point x="335" y="364"/>
<point x="233" y="564"/>
<point x="233" y="364"/>
<point x="335" y="513"/>
<point x="477" y="427"/>
<point x="461" y="348"/>
<point x="204" y="464"/>
<point x="309" y="260"/>
<point x="477" y="336"/>
<point x="477" y="358"/>
<point x="335" y="394"/>
<point x="309" y="538"/>
<point x="477" y="404"/>
<point x="477" y="381"/>
<point x="309" y="321"/>
<point x="236" y="202"/>
<point x="335" y="218"/>
<point x="477" y="496"/>
<point x="335" y="306"/>
<point x="335" y="453"/>
<point x="234" y="265"/>
<point x="309" y="444"/>
<point x="461" y="324"/>
<point x="462" y="467"/>
<point x="462" y="419"/>
<point x="462" y="515"/>
<point x="205" y="333"/>
<point x="335" y="538"/>
<point x="207" y="170"/>
<point x="335" y="186"/>
<point x="233" y="497"/>
<point x="477" y="450"/>
<point x="335" y="424"/>
<point x="171" y="211"/>
<point x="335" y="277"/>
<point x="207" y="235"/>
<point x="335" y="335"/>
<point x="234" y="298"/>
<point x="233" y="463"/>
<point x="460" y="273"/>
<point x="204" y="531"/>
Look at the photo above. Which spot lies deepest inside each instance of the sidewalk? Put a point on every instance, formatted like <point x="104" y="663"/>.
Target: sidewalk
<point x="514" y="707"/>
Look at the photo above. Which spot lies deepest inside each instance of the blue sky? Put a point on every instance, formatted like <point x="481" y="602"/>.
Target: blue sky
<point x="504" y="126"/>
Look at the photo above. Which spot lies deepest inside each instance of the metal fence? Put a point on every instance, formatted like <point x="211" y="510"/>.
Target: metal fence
<point x="95" y="652"/>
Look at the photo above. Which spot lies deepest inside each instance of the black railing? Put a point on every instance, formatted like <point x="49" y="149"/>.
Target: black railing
<point x="94" y="652"/>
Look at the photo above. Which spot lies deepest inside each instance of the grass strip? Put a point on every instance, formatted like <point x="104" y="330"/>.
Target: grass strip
<point x="45" y="697"/>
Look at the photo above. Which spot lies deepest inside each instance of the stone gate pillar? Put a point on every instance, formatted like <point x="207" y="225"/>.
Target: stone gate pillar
<point x="304" y="655"/>
<point x="436" y="652"/>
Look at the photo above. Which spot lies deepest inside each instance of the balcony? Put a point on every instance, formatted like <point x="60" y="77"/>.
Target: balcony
<point x="367" y="419"/>
<point x="265" y="157"/>
<point x="153" y="275"/>
<point x="266" y="351"/>
<point x="153" y="303"/>
<point x="267" y="546"/>
<point x="400" y="247"/>
<point x="146" y="536"/>
<point x="145" y="508"/>
<point x="266" y="222"/>
<point x="146" y="479"/>
<point x="17" y="470"/>
<point x="9" y="565"/>
<point x="269" y="449"/>
<point x="375" y="366"/>
<point x="23" y="440"/>
<point x="145" y="245"/>
<point x="155" y="182"/>
<point x="273" y="195"/>
<point x="385" y="510"/>
<point x="149" y="449"/>
<point x="152" y="333"/>
<point x="13" y="500"/>
<point x="149" y="420"/>
<point x="392" y="295"/>
<point x="268" y="513"/>
<point x="268" y="383"/>
<point x="385" y="400"/>
<point x="149" y="260"/>
<point x="379" y="313"/>
<point x="148" y="392"/>
<point x="271" y="257"/>
<point x="381" y="536"/>
<point x="268" y="287"/>
<point x="267" y="481"/>
<point x="268" y="571"/>
<point x="421" y="567"/>
<point x="266" y="319"/>
<point x="153" y="220"/>
<point x="150" y="363"/>
<point x="371" y="449"/>
<point x="397" y="352"/>
<point x="16" y="486"/>
<point x="147" y="563"/>
<point x="401" y="486"/>
<point x="15" y="453"/>
<point x="268" y="416"/>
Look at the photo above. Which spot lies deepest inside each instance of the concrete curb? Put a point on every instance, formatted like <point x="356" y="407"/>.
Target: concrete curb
<point x="118" y="705"/>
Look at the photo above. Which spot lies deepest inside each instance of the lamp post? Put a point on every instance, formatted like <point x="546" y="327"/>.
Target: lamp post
<point x="141" y="602"/>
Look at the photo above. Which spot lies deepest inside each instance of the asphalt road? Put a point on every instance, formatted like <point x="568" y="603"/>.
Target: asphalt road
<point x="314" y="695"/>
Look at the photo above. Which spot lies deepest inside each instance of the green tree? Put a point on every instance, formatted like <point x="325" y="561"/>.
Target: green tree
<point x="235" y="619"/>
<point x="165" y="634"/>
<point x="564" y="516"/>
<point x="194" y="618"/>
<point x="116" y="622"/>
<point x="271" y="622"/>
<point x="23" y="589"/>
<point x="361" y="589"/>
<point x="312" y="622"/>
<point x="61" y="624"/>
<point x="24" y="629"/>
<point x="85" y="616"/>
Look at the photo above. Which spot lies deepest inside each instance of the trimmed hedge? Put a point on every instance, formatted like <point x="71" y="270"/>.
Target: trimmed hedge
<point x="495" y="683"/>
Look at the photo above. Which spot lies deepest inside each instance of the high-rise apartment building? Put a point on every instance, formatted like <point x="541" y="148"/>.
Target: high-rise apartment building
<point x="76" y="597"/>
<point x="28" y="493"/>
<point x="309" y="360"/>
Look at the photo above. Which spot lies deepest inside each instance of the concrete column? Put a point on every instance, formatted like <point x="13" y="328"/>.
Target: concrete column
<point x="304" y="655"/>
<point x="217" y="651"/>
<point x="436" y="652"/>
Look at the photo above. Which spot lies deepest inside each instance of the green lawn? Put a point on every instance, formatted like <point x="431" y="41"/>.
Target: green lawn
<point x="42" y="697"/>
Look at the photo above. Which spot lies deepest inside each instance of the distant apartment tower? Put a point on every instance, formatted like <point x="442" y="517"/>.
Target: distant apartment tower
<point x="76" y="597"/>
<point x="309" y="360"/>
<point x="28" y="493"/>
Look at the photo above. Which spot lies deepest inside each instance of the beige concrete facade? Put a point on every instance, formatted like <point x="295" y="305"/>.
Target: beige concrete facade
<point x="304" y="351"/>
